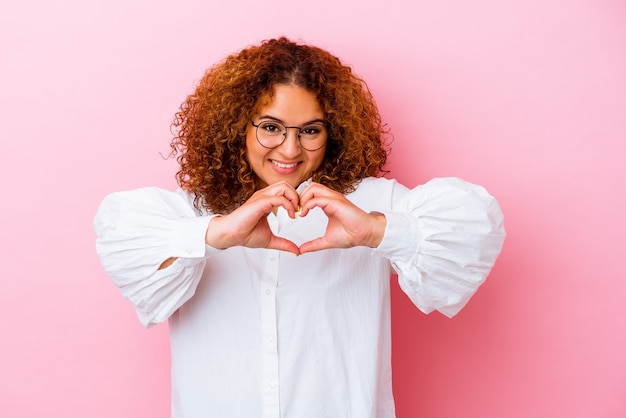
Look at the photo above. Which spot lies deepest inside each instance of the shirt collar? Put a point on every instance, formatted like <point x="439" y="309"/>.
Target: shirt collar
<point x="303" y="185"/>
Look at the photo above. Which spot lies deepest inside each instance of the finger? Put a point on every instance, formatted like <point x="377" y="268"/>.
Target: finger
<point x="330" y="205"/>
<point x="281" y="188"/>
<point x="286" y="191"/>
<point x="290" y="206"/>
<point x="315" y="189"/>
<point x="282" y="244"/>
<point x="315" y="245"/>
<point x="317" y="195"/>
<point x="262" y="205"/>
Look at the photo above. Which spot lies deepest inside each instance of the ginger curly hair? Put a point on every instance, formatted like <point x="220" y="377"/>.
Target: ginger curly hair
<point x="210" y="126"/>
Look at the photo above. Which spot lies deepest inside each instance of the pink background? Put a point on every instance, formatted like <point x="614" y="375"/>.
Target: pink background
<point x="526" y="97"/>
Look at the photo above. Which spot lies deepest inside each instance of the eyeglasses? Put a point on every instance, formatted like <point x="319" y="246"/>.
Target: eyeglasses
<point x="271" y="134"/>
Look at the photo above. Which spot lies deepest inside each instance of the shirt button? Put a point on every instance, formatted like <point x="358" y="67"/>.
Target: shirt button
<point x="268" y="292"/>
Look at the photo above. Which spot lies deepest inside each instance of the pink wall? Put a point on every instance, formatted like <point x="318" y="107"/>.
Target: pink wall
<point x="525" y="97"/>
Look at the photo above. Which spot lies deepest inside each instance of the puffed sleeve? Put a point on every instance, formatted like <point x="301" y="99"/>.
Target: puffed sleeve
<point x="442" y="238"/>
<point x="138" y="230"/>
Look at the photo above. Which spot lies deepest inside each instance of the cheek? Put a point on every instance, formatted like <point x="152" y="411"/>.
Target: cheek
<point x="319" y="159"/>
<point x="251" y="150"/>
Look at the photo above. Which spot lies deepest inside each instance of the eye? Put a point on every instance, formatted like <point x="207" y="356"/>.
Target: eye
<point x="311" y="130"/>
<point x="271" y="128"/>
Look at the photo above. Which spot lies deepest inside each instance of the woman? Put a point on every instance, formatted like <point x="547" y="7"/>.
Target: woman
<point x="272" y="261"/>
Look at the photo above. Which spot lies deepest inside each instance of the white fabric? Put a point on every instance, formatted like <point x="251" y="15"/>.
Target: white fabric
<point x="263" y="333"/>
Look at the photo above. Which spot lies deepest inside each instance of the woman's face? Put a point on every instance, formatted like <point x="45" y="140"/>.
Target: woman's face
<point x="292" y="106"/>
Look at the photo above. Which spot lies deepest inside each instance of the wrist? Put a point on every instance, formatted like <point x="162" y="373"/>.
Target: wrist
<point x="379" y="223"/>
<point x="213" y="237"/>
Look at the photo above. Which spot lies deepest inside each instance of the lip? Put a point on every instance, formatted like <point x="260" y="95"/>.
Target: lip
<point x="282" y="167"/>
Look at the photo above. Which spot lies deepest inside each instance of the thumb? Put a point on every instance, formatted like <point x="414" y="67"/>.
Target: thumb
<point x="317" y="244"/>
<point x="282" y="244"/>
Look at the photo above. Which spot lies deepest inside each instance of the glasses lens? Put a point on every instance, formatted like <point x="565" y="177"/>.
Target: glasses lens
<point x="270" y="133"/>
<point x="313" y="137"/>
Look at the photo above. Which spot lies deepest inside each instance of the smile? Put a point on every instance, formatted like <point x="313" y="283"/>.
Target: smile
<point x="284" y="166"/>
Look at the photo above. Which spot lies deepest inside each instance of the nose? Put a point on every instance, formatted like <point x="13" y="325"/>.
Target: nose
<point x="291" y="144"/>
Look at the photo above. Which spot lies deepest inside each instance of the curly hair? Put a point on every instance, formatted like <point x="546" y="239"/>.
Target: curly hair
<point x="211" y="123"/>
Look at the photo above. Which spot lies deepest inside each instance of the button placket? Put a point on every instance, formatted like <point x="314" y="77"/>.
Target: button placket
<point x="271" y="405"/>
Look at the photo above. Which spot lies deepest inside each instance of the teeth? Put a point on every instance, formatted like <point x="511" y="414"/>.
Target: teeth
<point x="280" y="165"/>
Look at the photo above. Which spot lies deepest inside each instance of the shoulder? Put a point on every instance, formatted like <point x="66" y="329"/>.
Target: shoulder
<point x="152" y="198"/>
<point x="375" y="193"/>
<point x="375" y="183"/>
<point x="367" y="186"/>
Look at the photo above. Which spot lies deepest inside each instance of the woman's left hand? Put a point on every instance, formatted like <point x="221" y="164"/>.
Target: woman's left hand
<point x="348" y="226"/>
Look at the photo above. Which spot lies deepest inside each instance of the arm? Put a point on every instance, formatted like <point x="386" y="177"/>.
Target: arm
<point x="137" y="231"/>
<point x="442" y="239"/>
<point x="154" y="246"/>
<point x="247" y="225"/>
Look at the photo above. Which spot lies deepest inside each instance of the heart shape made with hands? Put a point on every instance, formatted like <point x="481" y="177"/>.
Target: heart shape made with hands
<point x="347" y="225"/>
<point x="303" y="230"/>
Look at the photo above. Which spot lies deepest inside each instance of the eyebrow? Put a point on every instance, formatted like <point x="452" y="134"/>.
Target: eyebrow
<point x="322" y="121"/>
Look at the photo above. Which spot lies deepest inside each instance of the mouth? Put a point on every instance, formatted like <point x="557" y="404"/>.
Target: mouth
<point x="283" y="165"/>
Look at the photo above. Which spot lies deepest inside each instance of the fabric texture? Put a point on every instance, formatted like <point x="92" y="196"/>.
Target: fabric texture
<point x="265" y="333"/>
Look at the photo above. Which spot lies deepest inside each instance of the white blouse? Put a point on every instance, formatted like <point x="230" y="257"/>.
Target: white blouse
<point x="265" y="333"/>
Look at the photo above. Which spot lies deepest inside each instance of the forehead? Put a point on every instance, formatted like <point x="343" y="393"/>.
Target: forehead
<point x="288" y="100"/>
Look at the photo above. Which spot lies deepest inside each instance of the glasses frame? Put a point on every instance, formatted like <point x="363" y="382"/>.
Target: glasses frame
<point x="299" y="128"/>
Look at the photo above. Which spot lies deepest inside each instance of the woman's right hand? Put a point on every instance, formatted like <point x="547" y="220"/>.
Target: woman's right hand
<point x="247" y="225"/>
